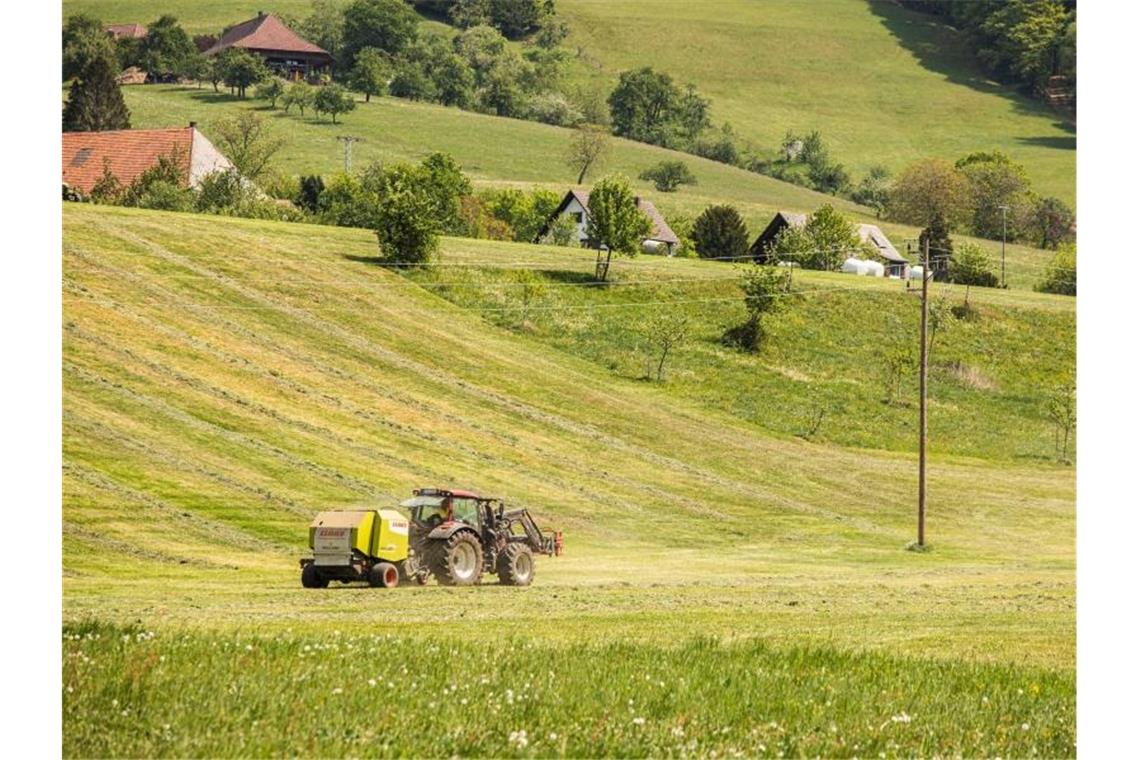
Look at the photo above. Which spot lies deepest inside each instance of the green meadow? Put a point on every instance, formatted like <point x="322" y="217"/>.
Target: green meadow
<point x="885" y="85"/>
<point x="728" y="586"/>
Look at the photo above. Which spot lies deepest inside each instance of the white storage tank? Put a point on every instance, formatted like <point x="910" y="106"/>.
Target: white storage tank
<point x="873" y="269"/>
<point x="852" y="266"/>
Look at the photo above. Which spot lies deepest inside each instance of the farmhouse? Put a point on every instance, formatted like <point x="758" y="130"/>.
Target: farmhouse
<point x="127" y="153"/>
<point x="576" y="205"/>
<point x="874" y="240"/>
<point x="283" y="50"/>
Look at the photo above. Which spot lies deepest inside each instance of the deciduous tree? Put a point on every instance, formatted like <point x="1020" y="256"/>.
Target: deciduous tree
<point x="615" y="223"/>
<point x="588" y="149"/>
<point x="927" y="190"/>
<point x="248" y="142"/>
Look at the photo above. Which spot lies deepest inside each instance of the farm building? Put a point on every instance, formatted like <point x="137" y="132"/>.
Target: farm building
<point x="128" y="31"/>
<point x="127" y="153"/>
<point x="283" y="50"/>
<point x="894" y="263"/>
<point x="576" y="204"/>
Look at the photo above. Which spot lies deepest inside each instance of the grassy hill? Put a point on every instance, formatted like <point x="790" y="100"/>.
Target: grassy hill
<point x="224" y="379"/>
<point x="497" y="151"/>
<point x="884" y="85"/>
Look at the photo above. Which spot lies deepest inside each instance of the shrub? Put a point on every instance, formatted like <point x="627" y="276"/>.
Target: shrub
<point x="763" y="288"/>
<point x="720" y="233"/>
<point x="309" y="192"/>
<point x="409" y="81"/>
<point x="406" y="227"/>
<point x="562" y="231"/>
<point x="300" y="95"/>
<point x="553" y="108"/>
<point x="667" y="176"/>
<point x="1061" y="276"/>
<point x="971" y="266"/>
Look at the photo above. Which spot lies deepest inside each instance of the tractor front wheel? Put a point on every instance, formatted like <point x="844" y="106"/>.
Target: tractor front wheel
<point x="383" y="575"/>
<point x="458" y="560"/>
<point x="516" y="565"/>
<point x="311" y="577"/>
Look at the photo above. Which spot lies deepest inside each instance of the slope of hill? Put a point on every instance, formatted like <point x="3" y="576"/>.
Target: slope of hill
<point x="885" y="85"/>
<point x="498" y="151"/>
<point x="225" y="378"/>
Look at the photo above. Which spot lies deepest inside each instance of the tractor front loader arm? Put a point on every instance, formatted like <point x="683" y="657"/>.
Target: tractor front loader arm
<point x="549" y="545"/>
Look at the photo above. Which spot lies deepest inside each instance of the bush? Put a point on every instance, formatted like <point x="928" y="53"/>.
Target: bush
<point x="667" y="176"/>
<point x="271" y="89"/>
<point x="971" y="266"/>
<point x="553" y="108"/>
<point x="563" y="231"/>
<point x="309" y="192"/>
<point x="720" y="233"/>
<point x="412" y="83"/>
<point x="406" y="228"/>
<point x="1061" y="276"/>
<point x="165" y="196"/>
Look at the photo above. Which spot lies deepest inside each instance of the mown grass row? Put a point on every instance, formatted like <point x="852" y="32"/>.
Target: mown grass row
<point x="130" y="692"/>
<point x="823" y="371"/>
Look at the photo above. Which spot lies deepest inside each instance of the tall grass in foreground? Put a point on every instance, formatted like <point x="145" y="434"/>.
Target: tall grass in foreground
<point x="131" y="692"/>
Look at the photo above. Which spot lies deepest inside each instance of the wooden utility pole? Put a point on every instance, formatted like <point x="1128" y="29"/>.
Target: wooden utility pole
<point x="922" y="362"/>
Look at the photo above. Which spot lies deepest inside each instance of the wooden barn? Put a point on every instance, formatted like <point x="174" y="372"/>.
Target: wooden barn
<point x="283" y="50"/>
<point x="576" y="204"/>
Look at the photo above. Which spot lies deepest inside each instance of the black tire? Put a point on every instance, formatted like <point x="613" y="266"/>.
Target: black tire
<point x="311" y="577"/>
<point x="516" y="565"/>
<point x="384" y="575"/>
<point x="458" y="560"/>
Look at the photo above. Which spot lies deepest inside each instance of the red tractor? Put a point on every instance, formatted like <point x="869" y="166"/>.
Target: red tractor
<point x="457" y="536"/>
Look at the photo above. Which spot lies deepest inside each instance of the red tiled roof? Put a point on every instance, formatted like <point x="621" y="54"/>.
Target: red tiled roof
<point x="265" y="33"/>
<point x="129" y="151"/>
<point x="125" y="30"/>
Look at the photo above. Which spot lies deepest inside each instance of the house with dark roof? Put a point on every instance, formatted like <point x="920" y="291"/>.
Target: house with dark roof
<point x="875" y="243"/>
<point x="127" y="153"/>
<point x="576" y="204"/>
<point x="283" y="50"/>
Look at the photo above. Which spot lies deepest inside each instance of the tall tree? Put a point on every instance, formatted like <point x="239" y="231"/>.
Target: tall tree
<point x="588" y="148"/>
<point x="720" y="233"/>
<point x="644" y="106"/>
<point x="928" y="190"/>
<point x="833" y="238"/>
<point x="389" y="25"/>
<point x="1053" y="221"/>
<point x="370" y="73"/>
<point x="995" y="181"/>
<point x="167" y="49"/>
<point x="248" y="143"/>
<point x="95" y="102"/>
<point x="84" y="40"/>
<point x="241" y="69"/>
<point x="615" y="223"/>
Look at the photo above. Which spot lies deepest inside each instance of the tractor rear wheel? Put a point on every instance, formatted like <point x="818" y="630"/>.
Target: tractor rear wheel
<point x="458" y="560"/>
<point x="311" y="577"/>
<point x="516" y="565"/>
<point x="383" y="575"/>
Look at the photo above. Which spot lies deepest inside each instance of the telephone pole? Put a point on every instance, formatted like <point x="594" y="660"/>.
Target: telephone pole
<point x="348" y="140"/>
<point x="1003" y="210"/>
<point x="922" y="362"/>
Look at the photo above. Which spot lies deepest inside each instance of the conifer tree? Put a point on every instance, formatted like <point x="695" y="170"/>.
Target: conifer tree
<point x="95" y="102"/>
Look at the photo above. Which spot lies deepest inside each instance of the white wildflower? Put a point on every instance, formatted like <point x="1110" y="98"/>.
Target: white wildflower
<point x="678" y="731"/>
<point x="901" y="718"/>
<point x="338" y="690"/>
<point x="518" y="739"/>
<point x="553" y="736"/>
<point x="372" y="682"/>
<point x="639" y="721"/>
<point x="1024" y="726"/>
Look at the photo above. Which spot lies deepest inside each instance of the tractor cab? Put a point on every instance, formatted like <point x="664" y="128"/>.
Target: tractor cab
<point x="432" y="507"/>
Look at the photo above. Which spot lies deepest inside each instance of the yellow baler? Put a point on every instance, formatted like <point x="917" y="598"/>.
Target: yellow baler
<point x="357" y="545"/>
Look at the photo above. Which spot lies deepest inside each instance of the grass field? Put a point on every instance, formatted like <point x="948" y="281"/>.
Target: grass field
<point x="224" y="379"/>
<point x="496" y="151"/>
<point x="884" y="85"/>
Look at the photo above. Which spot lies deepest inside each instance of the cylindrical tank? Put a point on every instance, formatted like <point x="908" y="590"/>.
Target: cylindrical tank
<point x="852" y="266"/>
<point x="873" y="269"/>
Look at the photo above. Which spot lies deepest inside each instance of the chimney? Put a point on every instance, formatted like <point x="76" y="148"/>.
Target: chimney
<point x="261" y="14"/>
<point x="193" y="125"/>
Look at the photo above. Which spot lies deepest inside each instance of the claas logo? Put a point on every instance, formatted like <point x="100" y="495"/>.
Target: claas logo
<point x="333" y="532"/>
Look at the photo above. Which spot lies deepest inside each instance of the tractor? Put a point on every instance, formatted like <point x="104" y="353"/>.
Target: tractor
<point x="455" y="536"/>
